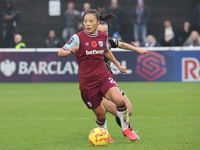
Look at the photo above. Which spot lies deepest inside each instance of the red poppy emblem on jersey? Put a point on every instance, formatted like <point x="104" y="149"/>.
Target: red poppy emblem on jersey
<point x="94" y="44"/>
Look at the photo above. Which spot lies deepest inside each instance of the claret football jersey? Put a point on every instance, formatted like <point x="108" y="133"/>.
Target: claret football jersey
<point x="90" y="57"/>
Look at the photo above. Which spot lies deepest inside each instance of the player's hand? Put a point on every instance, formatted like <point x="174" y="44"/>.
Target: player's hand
<point x="122" y="69"/>
<point x="74" y="50"/>
<point x="143" y="52"/>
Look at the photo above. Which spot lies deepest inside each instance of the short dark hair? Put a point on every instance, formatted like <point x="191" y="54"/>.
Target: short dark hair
<point x="100" y="15"/>
<point x="91" y="11"/>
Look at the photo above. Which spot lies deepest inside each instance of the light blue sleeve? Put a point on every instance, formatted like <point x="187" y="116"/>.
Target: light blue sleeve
<point x="73" y="41"/>
<point x="107" y="46"/>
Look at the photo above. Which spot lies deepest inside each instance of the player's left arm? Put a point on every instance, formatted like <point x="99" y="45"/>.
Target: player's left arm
<point x="71" y="47"/>
<point x="127" y="46"/>
<point x="64" y="53"/>
<point x="112" y="58"/>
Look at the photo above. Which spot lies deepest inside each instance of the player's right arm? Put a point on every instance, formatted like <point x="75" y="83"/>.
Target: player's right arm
<point x="115" y="43"/>
<point x="71" y="47"/>
<point x="127" y="46"/>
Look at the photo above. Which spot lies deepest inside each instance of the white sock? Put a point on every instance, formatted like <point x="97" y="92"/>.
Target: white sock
<point x="124" y="119"/>
<point x="101" y="124"/>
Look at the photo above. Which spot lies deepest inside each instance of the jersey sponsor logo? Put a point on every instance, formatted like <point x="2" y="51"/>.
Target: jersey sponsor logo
<point x="101" y="43"/>
<point x="94" y="52"/>
<point x="70" y="40"/>
<point x="152" y="66"/>
<point x="190" y="69"/>
<point x="94" y="44"/>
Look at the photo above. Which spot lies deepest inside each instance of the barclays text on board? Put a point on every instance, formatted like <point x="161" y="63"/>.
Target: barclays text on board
<point x="157" y="66"/>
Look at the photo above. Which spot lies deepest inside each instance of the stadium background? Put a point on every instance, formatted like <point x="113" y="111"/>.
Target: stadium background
<point x="36" y="22"/>
<point x="49" y="116"/>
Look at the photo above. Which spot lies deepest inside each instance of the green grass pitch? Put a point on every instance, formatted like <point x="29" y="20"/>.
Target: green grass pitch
<point x="52" y="116"/>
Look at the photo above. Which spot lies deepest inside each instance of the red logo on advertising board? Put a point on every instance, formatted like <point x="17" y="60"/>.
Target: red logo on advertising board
<point x="190" y="69"/>
<point x="151" y="66"/>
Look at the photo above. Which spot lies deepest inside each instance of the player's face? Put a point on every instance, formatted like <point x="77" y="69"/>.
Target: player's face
<point x="91" y="23"/>
<point x="103" y="28"/>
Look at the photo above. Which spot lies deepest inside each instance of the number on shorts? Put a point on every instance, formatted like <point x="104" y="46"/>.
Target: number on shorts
<point x="111" y="80"/>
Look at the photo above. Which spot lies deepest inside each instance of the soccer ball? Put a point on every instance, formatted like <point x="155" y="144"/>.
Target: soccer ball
<point x="99" y="137"/>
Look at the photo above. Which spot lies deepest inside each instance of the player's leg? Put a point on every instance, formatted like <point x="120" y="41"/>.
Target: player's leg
<point x="109" y="106"/>
<point x="100" y="113"/>
<point x="92" y="98"/>
<point x="116" y="97"/>
<point x="110" y="90"/>
<point x="128" y="104"/>
<point x="129" y="108"/>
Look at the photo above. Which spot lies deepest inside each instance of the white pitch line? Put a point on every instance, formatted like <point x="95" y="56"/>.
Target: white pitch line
<point x="51" y="118"/>
<point x="178" y="117"/>
<point x="45" y="119"/>
<point x="136" y="134"/>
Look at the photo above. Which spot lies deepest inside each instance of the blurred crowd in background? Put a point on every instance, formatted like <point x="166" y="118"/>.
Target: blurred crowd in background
<point x="187" y="35"/>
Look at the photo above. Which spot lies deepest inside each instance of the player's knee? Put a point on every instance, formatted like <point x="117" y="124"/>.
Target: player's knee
<point x="101" y="116"/>
<point x="130" y="112"/>
<point x="112" y="109"/>
<point x="120" y="103"/>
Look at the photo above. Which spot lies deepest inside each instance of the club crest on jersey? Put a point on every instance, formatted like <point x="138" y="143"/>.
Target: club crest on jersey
<point x="101" y="43"/>
<point x="70" y="40"/>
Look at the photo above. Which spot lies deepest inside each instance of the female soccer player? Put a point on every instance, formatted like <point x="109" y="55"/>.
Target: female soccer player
<point x="108" y="105"/>
<point x="95" y="80"/>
